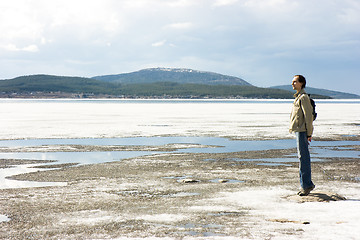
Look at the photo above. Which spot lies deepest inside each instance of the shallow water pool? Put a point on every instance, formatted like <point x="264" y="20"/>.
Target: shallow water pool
<point x="319" y="150"/>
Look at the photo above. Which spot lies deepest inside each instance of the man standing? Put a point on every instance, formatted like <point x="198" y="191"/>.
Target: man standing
<point x="301" y="122"/>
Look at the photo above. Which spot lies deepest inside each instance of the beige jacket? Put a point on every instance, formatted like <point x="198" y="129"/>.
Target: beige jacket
<point x="301" y="118"/>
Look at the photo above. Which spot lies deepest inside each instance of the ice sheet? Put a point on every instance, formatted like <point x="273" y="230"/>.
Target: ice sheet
<point x="239" y="119"/>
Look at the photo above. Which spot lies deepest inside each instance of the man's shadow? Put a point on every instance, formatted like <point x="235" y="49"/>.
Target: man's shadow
<point x="319" y="196"/>
<point x="327" y="197"/>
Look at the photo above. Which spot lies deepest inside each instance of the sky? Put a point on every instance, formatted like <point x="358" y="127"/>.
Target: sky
<point x="265" y="42"/>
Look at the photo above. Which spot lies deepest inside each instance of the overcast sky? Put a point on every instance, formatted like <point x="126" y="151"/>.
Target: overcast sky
<point x="265" y="42"/>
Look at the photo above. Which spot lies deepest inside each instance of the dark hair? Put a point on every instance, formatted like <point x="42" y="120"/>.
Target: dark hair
<point x="302" y="80"/>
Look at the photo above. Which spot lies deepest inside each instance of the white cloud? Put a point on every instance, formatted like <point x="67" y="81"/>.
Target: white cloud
<point x="266" y="3"/>
<point x="14" y="48"/>
<point x="30" y="48"/>
<point x="181" y="3"/>
<point x="9" y="47"/>
<point x="159" y="44"/>
<point x="180" y="25"/>
<point x="224" y="2"/>
<point x="350" y="14"/>
<point x="44" y="41"/>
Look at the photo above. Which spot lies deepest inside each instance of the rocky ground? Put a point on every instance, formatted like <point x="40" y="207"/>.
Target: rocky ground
<point x="184" y="196"/>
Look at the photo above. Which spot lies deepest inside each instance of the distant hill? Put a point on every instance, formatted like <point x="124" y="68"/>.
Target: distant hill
<point x="178" y="75"/>
<point x="61" y="86"/>
<point x="150" y="83"/>
<point x="191" y="90"/>
<point x="324" y="92"/>
<point x="50" y="83"/>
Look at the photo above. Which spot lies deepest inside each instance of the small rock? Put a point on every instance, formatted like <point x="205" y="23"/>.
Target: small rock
<point x="189" y="180"/>
<point x="283" y="220"/>
<point x="223" y="180"/>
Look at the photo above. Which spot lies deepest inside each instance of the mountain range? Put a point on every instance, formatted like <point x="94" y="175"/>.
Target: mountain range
<point x="151" y="83"/>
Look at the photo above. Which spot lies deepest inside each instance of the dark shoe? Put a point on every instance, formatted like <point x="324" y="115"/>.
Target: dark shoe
<point x="305" y="192"/>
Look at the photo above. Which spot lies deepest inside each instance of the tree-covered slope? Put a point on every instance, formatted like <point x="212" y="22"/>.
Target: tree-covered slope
<point x="50" y="83"/>
<point x="202" y="91"/>
<point x="178" y="75"/>
<point x="324" y="92"/>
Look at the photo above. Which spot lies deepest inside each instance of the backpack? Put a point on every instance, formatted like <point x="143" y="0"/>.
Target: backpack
<point x="313" y="105"/>
<point x="314" y="113"/>
<point x="312" y="102"/>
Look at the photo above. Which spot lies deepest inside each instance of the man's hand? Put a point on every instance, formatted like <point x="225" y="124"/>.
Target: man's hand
<point x="309" y="139"/>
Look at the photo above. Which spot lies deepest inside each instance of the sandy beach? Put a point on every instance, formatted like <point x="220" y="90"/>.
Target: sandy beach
<point x="176" y="194"/>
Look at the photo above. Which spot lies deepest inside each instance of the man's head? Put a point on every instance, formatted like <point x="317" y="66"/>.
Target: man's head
<point x="298" y="82"/>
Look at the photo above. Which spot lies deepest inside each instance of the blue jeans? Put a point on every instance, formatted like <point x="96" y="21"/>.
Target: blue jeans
<point x="304" y="157"/>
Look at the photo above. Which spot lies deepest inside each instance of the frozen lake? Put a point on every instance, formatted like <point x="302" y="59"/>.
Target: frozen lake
<point x="240" y="119"/>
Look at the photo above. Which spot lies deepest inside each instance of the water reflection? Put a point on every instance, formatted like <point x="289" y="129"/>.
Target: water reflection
<point x="228" y="145"/>
<point x="75" y="157"/>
